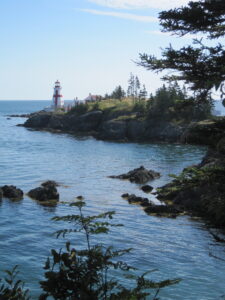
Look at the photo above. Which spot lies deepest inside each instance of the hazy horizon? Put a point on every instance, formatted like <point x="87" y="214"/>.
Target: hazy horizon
<point x="90" y="46"/>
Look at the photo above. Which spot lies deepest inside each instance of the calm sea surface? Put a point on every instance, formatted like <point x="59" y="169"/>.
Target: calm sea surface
<point x="176" y="247"/>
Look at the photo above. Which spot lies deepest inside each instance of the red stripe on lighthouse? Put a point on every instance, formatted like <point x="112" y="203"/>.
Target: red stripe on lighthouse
<point x="56" y="97"/>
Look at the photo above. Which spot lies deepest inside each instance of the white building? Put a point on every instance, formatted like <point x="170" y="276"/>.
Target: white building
<point x="92" y="98"/>
<point x="57" y="100"/>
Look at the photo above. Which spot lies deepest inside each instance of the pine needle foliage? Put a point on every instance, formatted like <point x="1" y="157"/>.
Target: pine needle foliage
<point x="87" y="274"/>
<point x="200" y="65"/>
<point x="11" y="288"/>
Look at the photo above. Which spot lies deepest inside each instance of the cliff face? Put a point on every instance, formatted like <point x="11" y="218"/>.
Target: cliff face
<point x="131" y="127"/>
<point x="102" y="126"/>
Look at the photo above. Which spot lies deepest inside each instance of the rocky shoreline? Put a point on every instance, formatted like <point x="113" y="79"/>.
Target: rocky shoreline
<point x="199" y="190"/>
<point x="128" y="127"/>
<point x="123" y="128"/>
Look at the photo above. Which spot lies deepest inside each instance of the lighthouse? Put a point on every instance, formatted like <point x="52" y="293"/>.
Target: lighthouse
<point x="57" y="100"/>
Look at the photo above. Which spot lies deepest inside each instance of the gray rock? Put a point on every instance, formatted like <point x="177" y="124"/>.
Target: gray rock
<point x="147" y="188"/>
<point x="50" y="183"/>
<point x="136" y="130"/>
<point x="46" y="192"/>
<point x="55" y="122"/>
<point x="90" y="121"/>
<point x="38" y="121"/>
<point x="12" y="192"/>
<point x="139" y="175"/>
<point x="162" y="210"/>
<point x="113" y="130"/>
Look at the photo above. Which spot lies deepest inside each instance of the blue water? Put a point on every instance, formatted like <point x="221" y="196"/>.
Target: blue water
<point x="176" y="247"/>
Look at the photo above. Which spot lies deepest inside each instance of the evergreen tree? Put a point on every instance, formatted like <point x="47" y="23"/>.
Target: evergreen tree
<point x="118" y="93"/>
<point x="137" y="86"/>
<point x="198" y="65"/>
<point x="131" y="86"/>
<point x="143" y="93"/>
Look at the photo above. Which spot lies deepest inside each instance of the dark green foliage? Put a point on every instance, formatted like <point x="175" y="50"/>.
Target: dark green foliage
<point x="95" y="106"/>
<point x="86" y="273"/>
<point x="80" y="108"/>
<point x="172" y="104"/>
<point x="198" y="65"/>
<point x="202" y="67"/>
<point x="118" y="93"/>
<point x="11" y="288"/>
<point x="140" y="106"/>
<point x="199" y="16"/>
<point x="131" y="86"/>
<point x="201" y="190"/>
<point x="143" y="93"/>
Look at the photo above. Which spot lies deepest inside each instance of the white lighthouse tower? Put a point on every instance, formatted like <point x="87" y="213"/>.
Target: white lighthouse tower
<point x="57" y="100"/>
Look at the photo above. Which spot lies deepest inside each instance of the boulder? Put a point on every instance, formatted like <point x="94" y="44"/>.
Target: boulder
<point x="150" y="208"/>
<point x="125" y="195"/>
<point x="162" y="210"/>
<point x="38" y="120"/>
<point x="50" y="183"/>
<point x="133" y="199"/>
<point x="139" y="175"/>
<point x="147" y="188"/>
<point x="46" y="192"/>
<point x="12" y="192"/>
<point x="1" y="193"/>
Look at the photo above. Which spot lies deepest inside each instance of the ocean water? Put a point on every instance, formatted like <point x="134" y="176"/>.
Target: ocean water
<point x="177" y="248"/>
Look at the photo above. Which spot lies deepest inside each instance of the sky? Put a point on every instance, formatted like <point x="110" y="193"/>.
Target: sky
<point x="89" y="45"/>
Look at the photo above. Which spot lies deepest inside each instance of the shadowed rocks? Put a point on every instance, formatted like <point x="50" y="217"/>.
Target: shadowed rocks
<point x="168" y="211"/>
<point x="139" y="175"/>
<point x="150" y="208"/>
<point x="146" y="188"/>
<point x="11" y="192"/>
<point x="46" y="192"/>
<point x="133" y="199"/>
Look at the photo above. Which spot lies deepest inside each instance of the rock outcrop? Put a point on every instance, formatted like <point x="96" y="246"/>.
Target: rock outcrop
<point x="118" y="126"/>
<point x="139" y="175"/>
<point x="129" y="126"/>
<point x="11" y="192"/>
<point x="147" y="188"/>
<point x="169" y="211"/>
<point x="46" y="192"/>
<point x="200" y="189"/>
<point x="38" y="121"/>
<point x="207" y="132"/>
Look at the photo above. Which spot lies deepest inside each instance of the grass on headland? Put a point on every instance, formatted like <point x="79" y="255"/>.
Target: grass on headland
<point x="125" y="106"/>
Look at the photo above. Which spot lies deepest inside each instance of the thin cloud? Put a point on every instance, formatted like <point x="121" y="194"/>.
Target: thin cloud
<point x="128" y="16"/>
<point x="132" y="4"/>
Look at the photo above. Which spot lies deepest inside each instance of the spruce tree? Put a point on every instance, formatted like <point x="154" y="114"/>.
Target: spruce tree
<point x="201" y="66"/>
<point x="143" y="93"/>
<point x="131" y="86"/>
